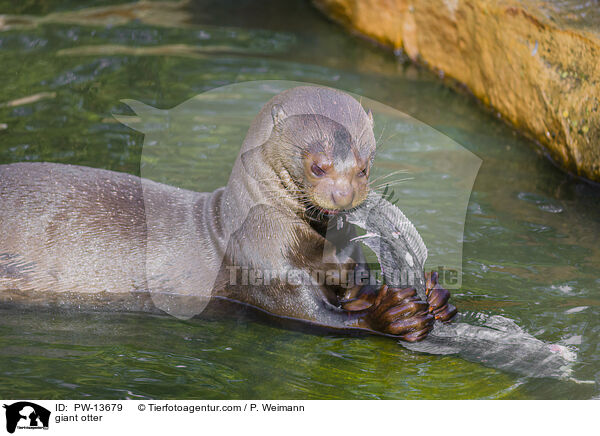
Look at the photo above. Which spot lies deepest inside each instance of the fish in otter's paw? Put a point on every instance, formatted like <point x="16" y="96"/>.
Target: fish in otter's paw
<point x="77" y="234"/>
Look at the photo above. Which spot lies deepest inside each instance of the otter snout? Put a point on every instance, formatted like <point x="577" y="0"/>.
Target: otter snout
<point x="342" y="197"/>
<point x="335" y="163"/>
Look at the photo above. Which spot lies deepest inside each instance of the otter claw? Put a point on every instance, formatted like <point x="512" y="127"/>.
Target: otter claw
<point x="363" y="301"/>
<point x="356" y="305"/>
<point x="431" y="279"/>
<point x="409" y="308"/>
<point x="437" y="298"/>
<point x="416" y="336"/>
<point x="446" y="313"/>
<point x="415" y="323"/>
<point x="399" y="312"/>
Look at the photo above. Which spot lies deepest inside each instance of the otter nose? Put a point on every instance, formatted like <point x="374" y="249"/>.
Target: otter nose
<point x="342" y="196"/>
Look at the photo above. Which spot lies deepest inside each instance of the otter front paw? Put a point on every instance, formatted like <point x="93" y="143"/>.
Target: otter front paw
<point x="437" y="298"/>
<point x="399" y="312"/>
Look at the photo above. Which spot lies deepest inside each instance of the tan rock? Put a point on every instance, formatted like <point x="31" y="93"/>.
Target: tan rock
<point x="535" y="64"/>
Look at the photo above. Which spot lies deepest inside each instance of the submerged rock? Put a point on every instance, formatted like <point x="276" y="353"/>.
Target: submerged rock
<point x="535" y="62"/>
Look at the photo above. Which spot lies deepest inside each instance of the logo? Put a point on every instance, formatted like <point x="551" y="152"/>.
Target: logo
<point x="431" y="203"/>
<point x="26" y="415"/>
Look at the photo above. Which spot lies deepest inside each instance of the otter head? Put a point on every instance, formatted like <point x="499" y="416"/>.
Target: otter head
<point x="329" y="165"/>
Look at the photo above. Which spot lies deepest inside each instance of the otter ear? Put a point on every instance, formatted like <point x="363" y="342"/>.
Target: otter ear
<point x="278" y="114"/>
<point x="370" y="116"/>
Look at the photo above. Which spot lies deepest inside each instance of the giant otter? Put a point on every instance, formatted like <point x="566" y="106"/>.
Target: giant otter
<point x="70" y="233"/>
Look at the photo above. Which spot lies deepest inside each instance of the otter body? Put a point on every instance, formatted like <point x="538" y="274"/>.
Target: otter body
<point x="75" y="230"/>
<point x="70" y="233"/>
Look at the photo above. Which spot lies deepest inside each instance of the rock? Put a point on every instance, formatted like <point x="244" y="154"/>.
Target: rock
<point x="537" y="65"/>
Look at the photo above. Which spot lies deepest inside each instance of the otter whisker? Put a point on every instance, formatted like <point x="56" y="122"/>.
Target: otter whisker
<point x="390" y="184"/>
<point x="392" y="136"/>
<point x="350" y="114"/>
<point x="382" y="144"/>
<point x="278" y="192"/>
<point x="385" y="176"/>
<point x="275" y="179"/>
<point x="377" y="142"/>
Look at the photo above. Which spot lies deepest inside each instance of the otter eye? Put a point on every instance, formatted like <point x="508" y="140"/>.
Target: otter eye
<point x="363" y="173"/>
<point x="317" y="170"/>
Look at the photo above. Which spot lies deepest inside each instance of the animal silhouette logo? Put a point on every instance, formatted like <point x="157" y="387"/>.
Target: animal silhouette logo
<point x="26" y="415"/>
<point x="196" y="146"/>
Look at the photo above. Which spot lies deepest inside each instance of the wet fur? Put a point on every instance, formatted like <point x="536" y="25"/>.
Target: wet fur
<point x="81" y="233"/>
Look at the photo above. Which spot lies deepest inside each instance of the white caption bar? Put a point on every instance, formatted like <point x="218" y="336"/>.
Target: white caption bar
<point x="24" y="417"/>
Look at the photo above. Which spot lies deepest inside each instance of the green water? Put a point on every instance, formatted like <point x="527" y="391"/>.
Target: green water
<point x="532" y="239"/>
